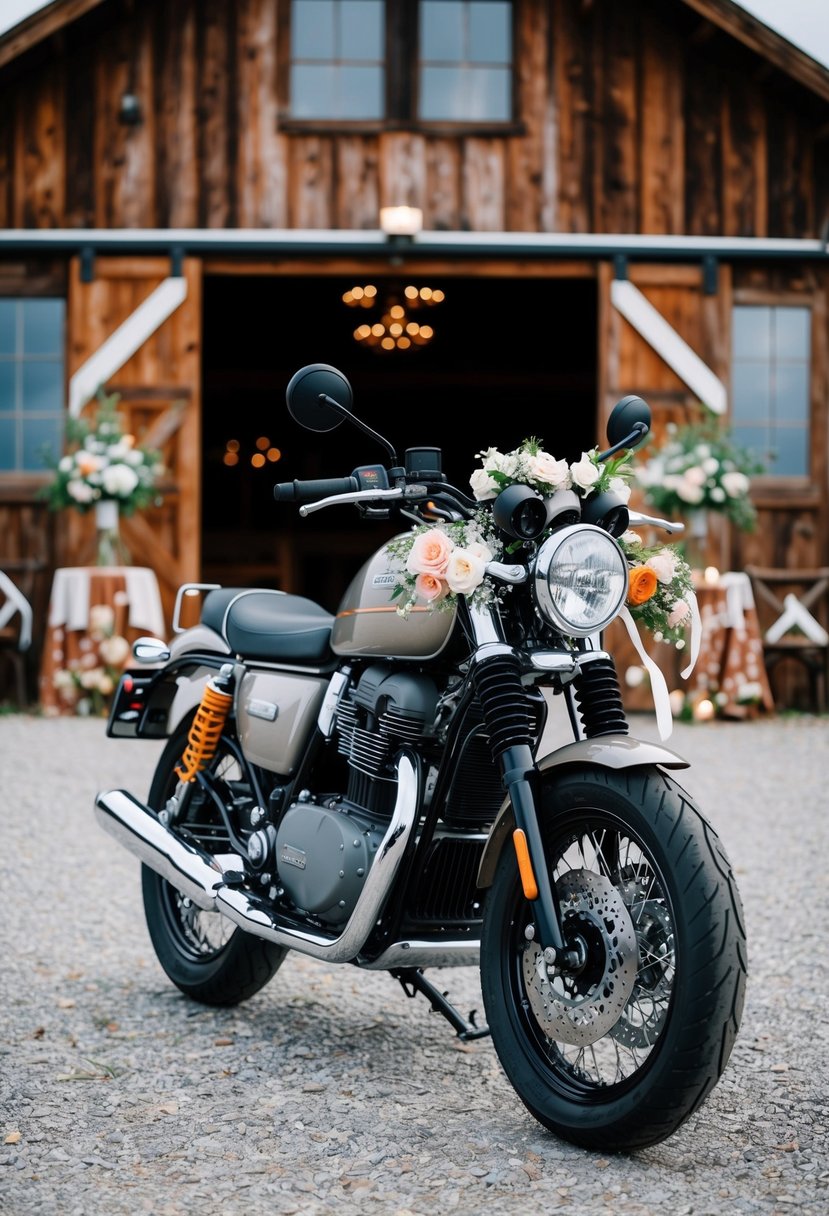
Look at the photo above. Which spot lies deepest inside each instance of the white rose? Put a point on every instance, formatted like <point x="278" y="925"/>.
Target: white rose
<point x="619" y="487"/>
<point x="119" y="480"/>
<point x="631" y="538"/>
<point x="483" y="487"/>
<point x="584" y="472"/>
<point x="464" y="572"/>
<point x="710" y="466"/>
<point x="542" y="467"/>
<point x="735" y="484"/>
<point x="80" y="491"/>
<point x="65" y="464"/>
<point x="718" y="494"/>
<point x="478" y="549"/>
<point x="694" y="476"/>
<point x="663" y="565"/>
<point x="689" y="492"/>
<point x="114" y="650"/>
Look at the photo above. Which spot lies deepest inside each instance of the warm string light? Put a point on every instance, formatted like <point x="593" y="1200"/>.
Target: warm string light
<point x="265" y="451"/>
<point x="396" y="328"/>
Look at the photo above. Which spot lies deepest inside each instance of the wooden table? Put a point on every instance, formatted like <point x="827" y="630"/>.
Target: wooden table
<point x="730" y="671"/>
<point x="95" y="614"/>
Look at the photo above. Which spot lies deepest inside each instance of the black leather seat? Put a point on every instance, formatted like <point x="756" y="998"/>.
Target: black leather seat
<point x="269" y="625"/>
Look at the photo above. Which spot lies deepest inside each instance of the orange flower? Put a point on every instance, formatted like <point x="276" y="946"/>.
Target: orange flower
<point x="642" y="583"/>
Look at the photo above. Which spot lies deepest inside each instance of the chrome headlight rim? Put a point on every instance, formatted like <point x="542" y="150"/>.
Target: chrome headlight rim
<point x="544" y="561"/>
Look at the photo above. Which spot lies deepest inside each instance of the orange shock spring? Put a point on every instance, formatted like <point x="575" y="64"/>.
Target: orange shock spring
<point x="205" y="731"/>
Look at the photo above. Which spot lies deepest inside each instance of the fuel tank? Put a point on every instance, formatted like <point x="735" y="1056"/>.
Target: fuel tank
<point x="367" y="621"/>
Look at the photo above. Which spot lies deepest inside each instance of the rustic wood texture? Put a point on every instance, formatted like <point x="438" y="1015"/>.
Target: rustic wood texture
<point x="640" y="117"/>
<point x="160" y="398"/>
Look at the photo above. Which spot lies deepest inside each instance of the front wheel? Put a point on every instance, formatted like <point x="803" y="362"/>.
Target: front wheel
<point x="203" y="953"/>
<point x="616" y="1055"/>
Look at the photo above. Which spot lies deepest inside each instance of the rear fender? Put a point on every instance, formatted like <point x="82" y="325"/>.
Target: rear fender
<point x="150" y="703"/>
<point x="607" y="751"/>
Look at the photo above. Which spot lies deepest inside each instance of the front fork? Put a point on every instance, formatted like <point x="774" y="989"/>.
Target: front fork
<point x="496" y="675"/>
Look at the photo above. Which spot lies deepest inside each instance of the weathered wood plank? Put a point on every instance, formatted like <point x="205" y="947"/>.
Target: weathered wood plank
<point x="662" y="171"/>
<point x="124" y="153"/>
<point x="616" y="131"/>
<point x="484" y="180"/>
<point x="261" y="171"/>
<point x="216" y="126"/>
<point x="39" y="162"/>
<point x="176" y="83"/>
<point x="357" y="182"/>
<point x="529" y="157"/>
<point x="745" y="160"/>
<point x="573" y="28"/>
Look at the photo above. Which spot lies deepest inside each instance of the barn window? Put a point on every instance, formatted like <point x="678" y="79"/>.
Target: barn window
<point x="401" y="63"/>
<point x="31" y="381"/>
<point x="771" y="375"/>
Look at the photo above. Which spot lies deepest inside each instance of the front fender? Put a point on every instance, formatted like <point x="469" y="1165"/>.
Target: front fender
<point x="605" y="751"/>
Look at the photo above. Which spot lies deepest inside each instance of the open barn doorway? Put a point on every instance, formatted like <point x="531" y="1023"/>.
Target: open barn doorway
<point x="509" y="358"/>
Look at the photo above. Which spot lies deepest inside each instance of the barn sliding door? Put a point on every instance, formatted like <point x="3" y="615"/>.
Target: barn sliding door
<point x="133" y="305"/>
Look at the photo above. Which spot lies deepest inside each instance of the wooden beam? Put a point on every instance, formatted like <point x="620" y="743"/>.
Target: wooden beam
<point x="28" y="33"/>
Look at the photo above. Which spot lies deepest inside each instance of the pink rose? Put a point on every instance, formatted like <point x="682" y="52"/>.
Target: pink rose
<point x="430" y="553"/>
<point x="429" y="587"/>
<point x="678" y="613"/>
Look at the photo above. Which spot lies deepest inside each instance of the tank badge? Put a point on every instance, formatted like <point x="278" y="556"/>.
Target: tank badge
<point x="294" y="857"/>
<point x="388" y="579"/>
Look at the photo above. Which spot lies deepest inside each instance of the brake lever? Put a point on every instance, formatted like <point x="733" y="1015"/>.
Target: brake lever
<point x="668" y="525"/>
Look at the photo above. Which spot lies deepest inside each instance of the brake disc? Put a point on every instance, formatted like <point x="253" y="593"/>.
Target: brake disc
<point x="583" y="1007"/>
<point x="647" y="1013"/>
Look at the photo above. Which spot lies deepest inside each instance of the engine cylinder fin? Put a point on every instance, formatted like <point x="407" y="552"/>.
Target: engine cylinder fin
<point x="599" y="699"/>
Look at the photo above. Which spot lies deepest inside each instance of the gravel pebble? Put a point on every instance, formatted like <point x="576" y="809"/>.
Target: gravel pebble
<point x="331" y="1090"/>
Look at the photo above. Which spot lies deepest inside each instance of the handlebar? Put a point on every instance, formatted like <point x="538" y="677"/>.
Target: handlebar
<point x="309" y="491"/>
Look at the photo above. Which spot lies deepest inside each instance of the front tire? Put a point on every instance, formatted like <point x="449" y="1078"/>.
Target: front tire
<point x="204" y="954"/>
<point x="619" y="1055"/>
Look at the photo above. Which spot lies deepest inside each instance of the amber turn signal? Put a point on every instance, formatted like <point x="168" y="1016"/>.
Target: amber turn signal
<point x="525" y="866"/>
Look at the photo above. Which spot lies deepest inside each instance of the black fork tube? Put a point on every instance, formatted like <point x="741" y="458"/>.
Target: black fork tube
<point x="519" y="773"/>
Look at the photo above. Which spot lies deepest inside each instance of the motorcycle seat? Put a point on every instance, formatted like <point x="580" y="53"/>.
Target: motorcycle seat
<point x="271" y="625"/>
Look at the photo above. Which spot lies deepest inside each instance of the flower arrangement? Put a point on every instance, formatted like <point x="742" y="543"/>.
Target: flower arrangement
<point x="530" y="465"/>
<point x="442" y="561"/>
<point x="660" y="588"/>
<point x="103" y="464"/>
<point x="87" y="683"/>
<point x="699" y="467"/>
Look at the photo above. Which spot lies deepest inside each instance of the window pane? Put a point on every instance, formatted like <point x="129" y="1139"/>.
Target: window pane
<point x="792" y="333"/>
<point x="8" y="313"/>
<point x="441" y="30"/>
<point x="40" y="433"/>
<point x="751" y="393"/>
<point x="312" y="92"/>
<point x="362" y="34"/>
<point x="8" y="454"/>
<point x="42" y="327"/>
<point x="360" y="93"/>
<point x="756" y="440"/>
<point x="791" y="452"/>
<point x="465" y="94"/>
<point x="312" y="29"/>
<point x="8" y="371"/>
<point x="42" y="387"/>
<point x="751" y="332"/>
<point x="792" y="396"/>
<point x="490" y="33"/>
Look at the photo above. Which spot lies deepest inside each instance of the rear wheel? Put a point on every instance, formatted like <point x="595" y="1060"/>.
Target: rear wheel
<point x="618" y="1054"/>
<point x="202" y="952"/>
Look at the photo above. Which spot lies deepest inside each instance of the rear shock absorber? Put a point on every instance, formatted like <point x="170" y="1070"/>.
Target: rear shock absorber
<point x="599" y="697"/>
<point x="208" y="724"/>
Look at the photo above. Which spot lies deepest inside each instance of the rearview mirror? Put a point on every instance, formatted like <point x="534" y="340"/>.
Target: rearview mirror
<point x="305" y="390"/>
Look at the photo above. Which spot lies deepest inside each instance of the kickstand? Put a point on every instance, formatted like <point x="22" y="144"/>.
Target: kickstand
<point x="413" y="981"/>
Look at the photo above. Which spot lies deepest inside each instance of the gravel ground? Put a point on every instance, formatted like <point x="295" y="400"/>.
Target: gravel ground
<point x="331" y="1090"/>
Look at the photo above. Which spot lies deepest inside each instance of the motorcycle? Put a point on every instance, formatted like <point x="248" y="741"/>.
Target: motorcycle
<point x="366" y="788"/>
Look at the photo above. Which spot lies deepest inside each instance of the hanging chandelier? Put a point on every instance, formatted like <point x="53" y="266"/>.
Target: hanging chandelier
<point x="394" y="326"/>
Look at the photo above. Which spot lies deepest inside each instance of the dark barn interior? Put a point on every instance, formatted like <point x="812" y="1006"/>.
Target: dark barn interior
<point x="509" y="358"/>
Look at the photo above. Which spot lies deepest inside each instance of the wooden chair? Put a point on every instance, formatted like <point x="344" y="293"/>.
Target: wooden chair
<point x="16" y="619"/>
<point x="793" y="602"/>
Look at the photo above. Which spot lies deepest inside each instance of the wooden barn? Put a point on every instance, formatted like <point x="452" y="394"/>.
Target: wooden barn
<point x="597" y="199"/>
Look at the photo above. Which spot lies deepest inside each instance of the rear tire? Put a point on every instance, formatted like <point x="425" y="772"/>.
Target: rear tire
<point x="619" y="1056"/>
<point x="204" y="954"/>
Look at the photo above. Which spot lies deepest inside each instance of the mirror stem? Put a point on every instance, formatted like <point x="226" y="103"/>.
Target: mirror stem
<point x="639" y="431"/>
<point x="362" y="425"/>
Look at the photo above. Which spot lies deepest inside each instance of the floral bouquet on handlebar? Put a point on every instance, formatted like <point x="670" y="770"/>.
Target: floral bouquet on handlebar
<point x="441" y="561"/>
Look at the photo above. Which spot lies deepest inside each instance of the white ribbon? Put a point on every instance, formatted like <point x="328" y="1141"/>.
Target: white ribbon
<point x="696" y="634"/>
<point x="661" y="699"/>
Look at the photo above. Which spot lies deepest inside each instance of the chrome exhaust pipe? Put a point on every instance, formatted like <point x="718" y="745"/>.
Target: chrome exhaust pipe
<point x="199" y="876"/>
<point x="138" y="829"/>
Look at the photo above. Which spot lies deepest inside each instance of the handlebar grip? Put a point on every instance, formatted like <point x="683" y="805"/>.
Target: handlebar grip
<point x="310" y="491"/>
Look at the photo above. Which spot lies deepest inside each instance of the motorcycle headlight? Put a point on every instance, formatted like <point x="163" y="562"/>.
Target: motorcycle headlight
<point x="580" y="580"/>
